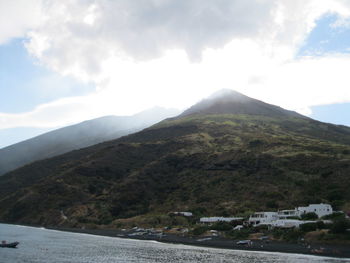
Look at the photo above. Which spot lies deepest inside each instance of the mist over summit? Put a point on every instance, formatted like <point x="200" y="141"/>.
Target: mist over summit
<point x="227" y="101"/>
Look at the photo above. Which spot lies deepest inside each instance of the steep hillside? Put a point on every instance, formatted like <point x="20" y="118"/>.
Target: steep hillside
<point x="78" y="136"/>
<point x="218" y="164"/>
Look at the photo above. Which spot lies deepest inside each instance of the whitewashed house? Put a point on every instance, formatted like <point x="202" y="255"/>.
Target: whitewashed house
<point x="209" y="220"/>
<point x="262" y="218"/>
<point x="186" y="214"/>
<point x="319" y="209"/>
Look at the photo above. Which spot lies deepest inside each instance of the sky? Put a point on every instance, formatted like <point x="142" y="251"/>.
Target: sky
<point x="63" y="62"/>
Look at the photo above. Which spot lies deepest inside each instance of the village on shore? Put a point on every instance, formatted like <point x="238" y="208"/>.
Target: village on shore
<point x="291" y="218"/>
<point x="313" y="229"/>
<point x="290" y="224"/>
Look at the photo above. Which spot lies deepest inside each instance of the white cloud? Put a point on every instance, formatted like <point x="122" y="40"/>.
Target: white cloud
<point x="173" y="53"/>
<point x="61" y="112"/>
<point x="78" y="36"/>
<point x="18" y="16"/>
<point x="307" y="82"/>
<point x="146" y="28"/>
<point x="295" y="85"/>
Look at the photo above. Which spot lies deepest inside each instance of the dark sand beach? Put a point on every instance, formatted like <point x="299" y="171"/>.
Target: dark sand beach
<point x="342" y="251"/>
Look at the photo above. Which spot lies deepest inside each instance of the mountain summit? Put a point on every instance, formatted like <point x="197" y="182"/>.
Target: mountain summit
<point x="232" y="102"/>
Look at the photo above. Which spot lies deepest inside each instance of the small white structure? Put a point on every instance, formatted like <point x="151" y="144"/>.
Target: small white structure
<point x="319" y="209"/>
<point x="238" y="227"/>
<point x="187" y="214"/>
<point x="289" y="223"/>
<point x="214" y="233"/>
<point x="262" y="218"/>
<point x="209" y="220"/>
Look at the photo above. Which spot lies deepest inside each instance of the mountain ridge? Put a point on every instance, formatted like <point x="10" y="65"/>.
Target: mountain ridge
<point x="77" y="136"/>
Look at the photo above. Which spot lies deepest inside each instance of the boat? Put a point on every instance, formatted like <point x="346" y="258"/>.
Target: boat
<point x="244" y="242"/>
<point x="9" y="245"/>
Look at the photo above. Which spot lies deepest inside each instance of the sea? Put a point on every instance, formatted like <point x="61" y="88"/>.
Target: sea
<point x="43" y="245"/>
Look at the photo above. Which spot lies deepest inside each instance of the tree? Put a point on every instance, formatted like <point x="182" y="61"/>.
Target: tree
<point x="340" y="226"/>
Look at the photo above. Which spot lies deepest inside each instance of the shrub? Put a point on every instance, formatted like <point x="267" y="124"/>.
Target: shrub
<point x="82" y="219"/>
<point x="287" y="234"/>
<point x="309" y="216"/>
<point x="255" y="143"/>
<point x="199" y="211"/>
<point x="199" y="230"/>
<point x="308" y="227"/>
<point x="261" y="228"/>
<point x="337" y="204"/>
<point x="221" y="226"/>
<point x="321" y="225"/>
<point x="239" y="234"/>
<point x="335" y="215"/>
<point x="179" y="221"/>
<point x="292" y="235"/>
<point x="335" y="195"/>
<point x="277" y="232"/>
<point x="271" y="204"/>
<point x="105" y="219"/>
<point x="340" y="226"/>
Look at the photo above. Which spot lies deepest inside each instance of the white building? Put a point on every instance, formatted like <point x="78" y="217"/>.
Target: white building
<point x="209" y="220"/>
<point x="262" y="218"/>
<point x="319" y="209"/>
<point x="187" y="214"/>
<point x="285" y="214"/>
<point x="282" y="218"/>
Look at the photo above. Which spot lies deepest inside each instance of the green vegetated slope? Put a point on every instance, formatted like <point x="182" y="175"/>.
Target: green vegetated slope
<point x="219" y="164"/>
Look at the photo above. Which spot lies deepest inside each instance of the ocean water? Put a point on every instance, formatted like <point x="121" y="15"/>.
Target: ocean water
<point x="42" y="245"/>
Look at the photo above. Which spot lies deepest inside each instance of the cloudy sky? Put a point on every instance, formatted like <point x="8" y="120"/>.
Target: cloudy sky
<point x="63" y="62"/>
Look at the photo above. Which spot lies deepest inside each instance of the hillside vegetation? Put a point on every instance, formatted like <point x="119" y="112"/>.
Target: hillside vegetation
<point x="211" y="164"/>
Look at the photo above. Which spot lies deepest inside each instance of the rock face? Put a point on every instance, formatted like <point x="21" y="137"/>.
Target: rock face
<point x="216" y="159"/>
<point x="78" y="136"/>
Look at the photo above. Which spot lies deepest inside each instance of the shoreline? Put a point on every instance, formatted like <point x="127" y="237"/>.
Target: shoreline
<point x="324" y="250"/>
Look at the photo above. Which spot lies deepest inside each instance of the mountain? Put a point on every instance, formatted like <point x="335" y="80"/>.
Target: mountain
<point x="78" y="136"/>
<point x="232" y="102"/>
<point x="210" y="162"/>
